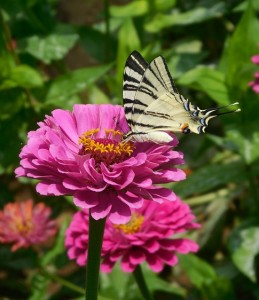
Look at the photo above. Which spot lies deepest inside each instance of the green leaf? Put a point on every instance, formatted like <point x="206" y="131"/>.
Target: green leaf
<point x="62" y="88"/>
<point x="39" y="287"/>
<point x="196" y="15"/>
<point x="96" y="43"/>
<point x="244" y="246"/>
<point x="131" y="9"/>
<point x="97" y="96"/>
<point x="199" y="272"/>
<point x="181" y="63"/>
<point x="21" y="76"/>
<point x="219" y="286"/>
<point x="209" y="81"/>
<point x="247" y="144"/>
<point x="216" y="207"/>
<point x="155" y="283"/>
<point x="58" y="248"/>
<point x="11" y="101"/>
<point x="242" y="45"/>
<point x="243" y="5"/>
<point x="209" y="177"/>
<point x="139" y="8"/>
<point x="10" y="142"/>
<point x="115" y="284"/>
<point x="50" y="48"/>
<point x="126" y="46"/>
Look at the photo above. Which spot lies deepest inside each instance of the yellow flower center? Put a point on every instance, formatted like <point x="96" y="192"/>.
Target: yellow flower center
<point x="24" y="226"/>
<point x="108" y="150"/>
<point x="133" y="225"/>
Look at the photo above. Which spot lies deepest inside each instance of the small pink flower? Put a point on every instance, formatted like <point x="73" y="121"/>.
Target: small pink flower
<point x="80" y="153"/>
<point x="255" y="59"/>
<point x="152" y="235"/>
<point x="25" y="224"/>
<point x="255" y="84"/>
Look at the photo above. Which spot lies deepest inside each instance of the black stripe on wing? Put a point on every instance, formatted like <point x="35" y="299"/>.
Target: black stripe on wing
<point x="171" y="87"/>
<point x="136" y="62"/>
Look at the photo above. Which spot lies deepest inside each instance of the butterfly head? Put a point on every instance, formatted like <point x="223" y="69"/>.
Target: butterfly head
<point x="185" y="128"/>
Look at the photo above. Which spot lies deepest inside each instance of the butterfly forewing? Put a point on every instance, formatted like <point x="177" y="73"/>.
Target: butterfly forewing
<point x="153" y="105"/>
<point x="133" y="73"/>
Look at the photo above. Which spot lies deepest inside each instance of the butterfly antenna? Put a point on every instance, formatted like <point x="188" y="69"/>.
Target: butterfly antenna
<point x="215" y="111"/>
<point x="117" y="123"/>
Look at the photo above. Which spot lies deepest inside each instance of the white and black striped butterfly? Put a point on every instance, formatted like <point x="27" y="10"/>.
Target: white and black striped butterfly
<point x="153" y="105"/>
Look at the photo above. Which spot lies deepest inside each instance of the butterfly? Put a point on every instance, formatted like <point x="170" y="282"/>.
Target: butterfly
<point x="153" y="106"/>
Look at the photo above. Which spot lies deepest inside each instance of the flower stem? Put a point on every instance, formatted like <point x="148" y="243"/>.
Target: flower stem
<point x="62" y="281"/>
<point x="142" y="283"/>
<point x="107" y="29"/>
<point x="9" y="46"/>
<point x="96" y="230"/>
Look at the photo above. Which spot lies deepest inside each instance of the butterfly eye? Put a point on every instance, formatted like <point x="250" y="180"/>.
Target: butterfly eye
<point x="186" y="130"/>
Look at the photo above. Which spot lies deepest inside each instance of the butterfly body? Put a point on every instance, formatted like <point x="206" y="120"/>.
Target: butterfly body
<point x="153" y="106"/>
<point x="158" y="137"/>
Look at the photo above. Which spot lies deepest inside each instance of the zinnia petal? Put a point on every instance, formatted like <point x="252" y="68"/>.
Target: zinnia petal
<point x="24" y="224"/>
<point x="148" y="236"/>
<point x="80" y="153"/>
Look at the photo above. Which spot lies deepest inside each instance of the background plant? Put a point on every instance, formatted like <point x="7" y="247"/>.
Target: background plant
<point x="55" y="54"/>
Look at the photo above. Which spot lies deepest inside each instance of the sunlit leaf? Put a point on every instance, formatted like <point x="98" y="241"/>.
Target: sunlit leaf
<point x="97" y="96"/>
<point x="209" y="81"/>
<point x="126" y="46"/>
<point x="243" y="5"/>
<point x="196" y="15"/>
<point x="50" y="48"/>
<point x="21" y="76"/>
<point x="244" y="246"/>
<point x="198" y="271"/>
<point x="65" y="86"/>
<point x="238" y="51"/>
<point x="247" y="145"/>
<point x="115" y="283"/>
<point x="139" y="8"/>
<point x="134" y="8"/>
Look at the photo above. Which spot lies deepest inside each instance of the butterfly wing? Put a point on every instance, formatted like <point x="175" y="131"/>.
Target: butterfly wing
<point x="157" y="101"/>
<point x="152" y="103"/>
<point x="133" y="74"/>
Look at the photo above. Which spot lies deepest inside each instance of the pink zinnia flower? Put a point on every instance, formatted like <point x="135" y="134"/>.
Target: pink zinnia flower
<point x="255" y="59"/>
<point x="255" y="84"/>
<point x="25" y="224"/>
<point x="152" y="235"/>
<point x="80" y="153"/>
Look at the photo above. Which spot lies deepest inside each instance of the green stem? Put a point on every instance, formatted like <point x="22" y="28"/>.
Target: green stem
<point x="8" y="38"/>
<point x="107" y="29"/>
<point x="96" y="230"/>
<point x="253" y="188"/>
<point x="152" y="7"/>
<point x="9" y="46"/>
<point x="62" y="281"/>
<point x="142" y="283"/>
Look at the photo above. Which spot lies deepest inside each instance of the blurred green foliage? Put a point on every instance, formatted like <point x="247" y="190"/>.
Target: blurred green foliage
<point x="51" y="56"/>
